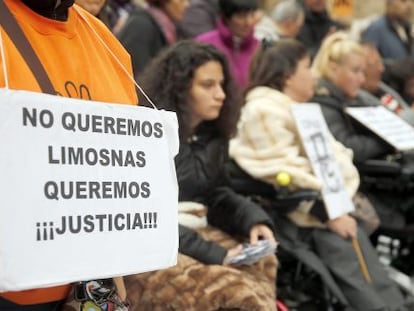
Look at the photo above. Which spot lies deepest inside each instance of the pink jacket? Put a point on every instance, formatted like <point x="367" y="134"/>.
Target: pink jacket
<point x="238" y="55"/>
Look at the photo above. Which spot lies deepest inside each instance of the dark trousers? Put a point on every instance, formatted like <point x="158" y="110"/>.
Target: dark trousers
<point x="340" y="257"/>
<point x="335" y="259"/>
<point x="6" y="305"/>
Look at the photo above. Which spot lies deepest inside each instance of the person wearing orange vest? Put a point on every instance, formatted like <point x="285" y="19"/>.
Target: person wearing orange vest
<point x="79" y="65"/>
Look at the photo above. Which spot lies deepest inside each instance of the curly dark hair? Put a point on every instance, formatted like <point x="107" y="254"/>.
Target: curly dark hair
<point x="275" y="62"/>
<point x="168" y="79"/>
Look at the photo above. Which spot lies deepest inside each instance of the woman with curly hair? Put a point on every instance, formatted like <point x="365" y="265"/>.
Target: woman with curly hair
<point x="150" y="29"/>
<point x="193" y="80"/>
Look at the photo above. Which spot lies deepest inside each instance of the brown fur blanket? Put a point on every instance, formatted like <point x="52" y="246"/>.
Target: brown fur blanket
<point x="193" y="286"/>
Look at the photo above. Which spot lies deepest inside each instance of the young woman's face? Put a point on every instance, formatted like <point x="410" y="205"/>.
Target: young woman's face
<point x="241" y="24"/>
<point x="206" y="93"/>
<point x="349" y="76"/>
<point x="92" y="6"/>
<point x="300" y="85"/>
<point x="175" y="9"/>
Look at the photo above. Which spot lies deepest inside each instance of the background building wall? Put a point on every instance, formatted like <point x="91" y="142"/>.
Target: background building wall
<point x="362" y="8"/>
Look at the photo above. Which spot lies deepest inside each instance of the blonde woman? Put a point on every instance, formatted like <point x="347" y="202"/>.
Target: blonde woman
<point x="340" y="65"/>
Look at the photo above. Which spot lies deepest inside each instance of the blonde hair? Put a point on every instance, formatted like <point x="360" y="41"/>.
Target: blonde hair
<point x="335" y="48"/>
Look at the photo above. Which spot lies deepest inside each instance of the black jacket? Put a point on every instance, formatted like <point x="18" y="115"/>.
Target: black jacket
<point x="202" y="178"/>
<point x="315" y="28"/>
<point x="142" y="37"/>
<point x="200" y="17"/>
<point x="349" y="132"/>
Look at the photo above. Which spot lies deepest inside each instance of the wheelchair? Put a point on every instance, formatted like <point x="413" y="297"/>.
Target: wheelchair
<point x="389" y="184"/>
<point x="303" y="282"/>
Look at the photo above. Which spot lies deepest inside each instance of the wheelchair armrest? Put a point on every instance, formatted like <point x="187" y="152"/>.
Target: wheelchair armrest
<point x="379" y="167"/>
<point x="408" y="170"/>
<point x="294" y="198"/>
<point x="283" y="200"/>
<point x="387" y="175"/>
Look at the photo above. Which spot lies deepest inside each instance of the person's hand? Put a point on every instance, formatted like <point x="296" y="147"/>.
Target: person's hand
<point x="232" y="252"/>
<point x="120" y="288"/>
<point x="345" y="226"/>
<point x="262" y="231"/>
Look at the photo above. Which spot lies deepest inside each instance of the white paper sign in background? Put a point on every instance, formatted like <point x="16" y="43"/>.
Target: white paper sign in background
<point x="385" y="124"/>
<point x="315" y="137"/>
<point x="87" y="190"/>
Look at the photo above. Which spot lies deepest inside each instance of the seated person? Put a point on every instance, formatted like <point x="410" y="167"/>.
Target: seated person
<point x="118" y="13"/>
<point x="340" y="65"/>
<point x="193" y="80"/>
<point x="200" y="17"/>
<point x="377" y="92"/>
<point x="318" y="24"/>
<point x="96" y="8"/>
<point x="233" y="36"/>
<point x="150" y="29"/>
<point x="401" y="78"/>
<point x="285" y="21"/>
<point x="391" y="33"/>
<point x="267" y="142"/>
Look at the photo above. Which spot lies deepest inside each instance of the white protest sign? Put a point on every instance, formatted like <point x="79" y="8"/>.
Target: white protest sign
<point x="386" y="125"/>
<point x="314" y="134"/>
<point x="87" y="190"/>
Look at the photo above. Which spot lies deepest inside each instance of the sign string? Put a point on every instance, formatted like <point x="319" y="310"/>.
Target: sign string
<point x="4" y="64"/>
<point x="116" y="59"/>
<point x="3" y="61"/>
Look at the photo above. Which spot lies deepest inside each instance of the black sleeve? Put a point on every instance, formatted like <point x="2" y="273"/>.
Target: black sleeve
<point x="234" y="213"/>
<point x="199" y="18"/>
<point x="141" y="38"/>
<point x="229" y="211"/>
<point x="312" y="34"/>
<point x="190" y="166"/>
<point x="364" y="145"/>
<point x="201" y="177"/>
<point x="193" y="245"/>
<point x="309" y="40"/>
